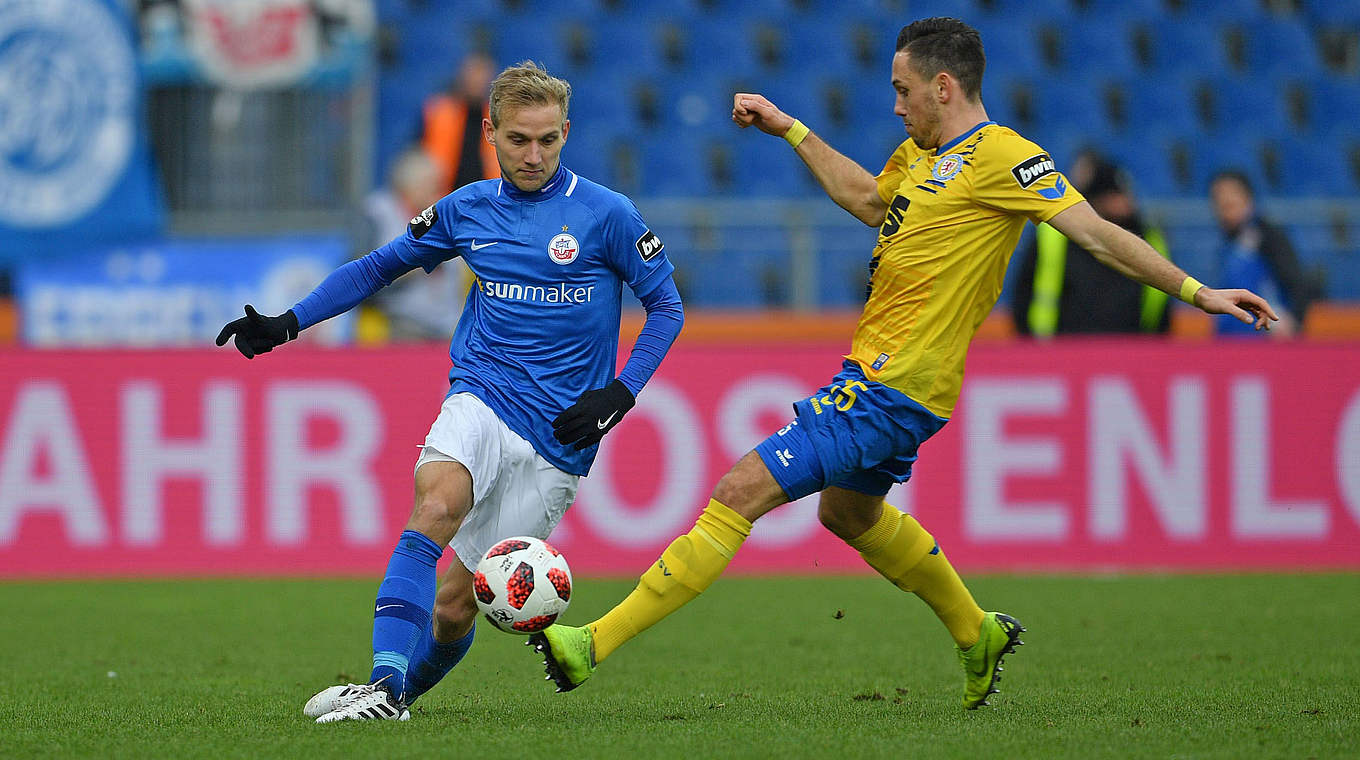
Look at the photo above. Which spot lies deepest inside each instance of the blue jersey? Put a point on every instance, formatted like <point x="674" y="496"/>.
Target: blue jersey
<point x="541" y="324"/>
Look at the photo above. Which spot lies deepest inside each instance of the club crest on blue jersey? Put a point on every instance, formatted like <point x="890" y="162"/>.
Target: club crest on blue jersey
<point x="563" y="249"/>
<point x="947" y="167"/>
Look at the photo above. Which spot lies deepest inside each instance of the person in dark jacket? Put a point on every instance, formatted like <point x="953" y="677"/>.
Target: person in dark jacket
<point x="1061" y="289"/>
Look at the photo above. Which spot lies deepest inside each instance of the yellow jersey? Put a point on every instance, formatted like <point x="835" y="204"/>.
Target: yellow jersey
<point x="954" y="216"/>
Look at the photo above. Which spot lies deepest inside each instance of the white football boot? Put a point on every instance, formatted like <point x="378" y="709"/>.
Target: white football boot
<point x="333" y="698"/>
<point x="373" y="704"/>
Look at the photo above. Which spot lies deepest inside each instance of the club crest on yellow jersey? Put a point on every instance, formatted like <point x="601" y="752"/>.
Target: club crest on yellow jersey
<point x="947" y="167"/>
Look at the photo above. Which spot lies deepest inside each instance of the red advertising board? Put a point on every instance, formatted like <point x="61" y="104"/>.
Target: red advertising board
<point x="1069" y="456"/>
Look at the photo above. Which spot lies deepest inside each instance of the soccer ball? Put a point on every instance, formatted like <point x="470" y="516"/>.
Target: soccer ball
<point x="522" y="584"/>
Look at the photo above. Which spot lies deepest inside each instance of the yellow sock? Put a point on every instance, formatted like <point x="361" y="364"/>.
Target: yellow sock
<point x="686" y="568"/>
<point x="904" y="553"/>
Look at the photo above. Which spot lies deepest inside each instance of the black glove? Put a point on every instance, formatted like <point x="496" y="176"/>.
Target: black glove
<point x="595" y="413"/>
<point x="258" y="334"/>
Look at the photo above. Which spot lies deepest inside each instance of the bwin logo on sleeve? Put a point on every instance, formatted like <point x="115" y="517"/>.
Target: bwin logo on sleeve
<point x="68" y="72"/>
<point x="1032" y="169"/>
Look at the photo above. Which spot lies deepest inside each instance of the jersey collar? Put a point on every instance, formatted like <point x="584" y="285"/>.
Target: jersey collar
<point x="551" y="188"/>
<point x="940" y="150"/>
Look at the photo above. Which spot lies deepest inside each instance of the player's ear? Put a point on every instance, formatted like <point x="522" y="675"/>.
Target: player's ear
<point x="566" y="127"/>
<point x="488" y="131"/>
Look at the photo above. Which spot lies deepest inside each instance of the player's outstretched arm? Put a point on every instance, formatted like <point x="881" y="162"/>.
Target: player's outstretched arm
<point x="1132" y="257"/>
<point x="848" y="184"/>
<point x="258" y="334"/>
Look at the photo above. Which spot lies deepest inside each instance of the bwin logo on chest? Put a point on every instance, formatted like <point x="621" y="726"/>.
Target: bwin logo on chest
<point x="559" y="293"/>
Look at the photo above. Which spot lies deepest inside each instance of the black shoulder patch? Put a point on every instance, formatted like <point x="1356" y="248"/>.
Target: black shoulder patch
<point x="649" y="245"/>
<point x="1029" y="171"/>
<point x="422" y="222"/>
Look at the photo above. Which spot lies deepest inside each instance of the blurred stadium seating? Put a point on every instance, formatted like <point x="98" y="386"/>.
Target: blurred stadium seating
<point x="1173" y="89"/>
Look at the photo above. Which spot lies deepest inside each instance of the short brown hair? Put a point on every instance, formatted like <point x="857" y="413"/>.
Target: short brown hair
<point x="945" y="44"/>
<point x="527" y="84"/>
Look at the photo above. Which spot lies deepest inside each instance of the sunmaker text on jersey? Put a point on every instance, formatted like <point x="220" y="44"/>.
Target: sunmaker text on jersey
<point x="559" y="293"/>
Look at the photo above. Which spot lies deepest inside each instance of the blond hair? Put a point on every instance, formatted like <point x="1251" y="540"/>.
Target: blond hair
<point x="527" y="84"/>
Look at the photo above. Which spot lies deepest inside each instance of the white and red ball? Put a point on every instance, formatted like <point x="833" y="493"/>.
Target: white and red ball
<point x="522" y="584"/>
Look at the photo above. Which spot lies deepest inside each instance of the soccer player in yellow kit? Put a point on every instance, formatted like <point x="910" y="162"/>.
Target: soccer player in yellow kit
<point x="950" y="205"/>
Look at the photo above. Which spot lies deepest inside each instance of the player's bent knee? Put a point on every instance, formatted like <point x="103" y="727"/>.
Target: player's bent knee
<point x="848" y="517"/>
<point x="831" y="519"/>
<point x="436" y="517"/>
<point x="749" y="489"/>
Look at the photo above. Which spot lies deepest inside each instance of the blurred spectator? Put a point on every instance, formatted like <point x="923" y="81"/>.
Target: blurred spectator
<point x="1256" y="255"/>
<point x="453" y="126"/>
<point x="417" y="306"/>
<point x="1062" y="289"/>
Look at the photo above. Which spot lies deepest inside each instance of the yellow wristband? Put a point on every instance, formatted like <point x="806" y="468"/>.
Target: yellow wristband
<point x="1189" y="287"/>
<point x="796" y="133"/>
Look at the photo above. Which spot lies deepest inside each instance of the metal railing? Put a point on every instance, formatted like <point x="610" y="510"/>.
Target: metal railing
<point x="262" y="161"/>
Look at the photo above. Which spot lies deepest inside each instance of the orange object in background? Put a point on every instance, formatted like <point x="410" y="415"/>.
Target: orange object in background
<point x="9" y="322"/>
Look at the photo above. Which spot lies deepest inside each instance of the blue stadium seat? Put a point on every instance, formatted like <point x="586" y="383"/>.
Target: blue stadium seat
<point x="1237" y="149"/>
<point x="1003" y="11"/>
<point x="843" y="268"/>
<point x="1104" y="46"/>
<point x="1248" y="101"/>
<point x="735" y="275"/>
<point x="1225" y="11"/>
<point x="697" y="104"/>
<point x="1120" y="13"/>
<point x="590" y="150"/>
<point x="1159" y="103"/>
<point x="719" y="45"/>
<point x="763" y="166"/>
<point x="604" y="100"/>
<point x="732" y="10"/>
<point x="1147" y="163"/>
<point x="813" y="50"/>
<point x="517" y="42"/>
<point x="1011" y="45"/>
<point x="1343" y="275"/>
<point x="1282" y="45"/>
<point x="534" y="11"/>
<point x="872" y="98"/>
<point x="916" y="9"/>
<point x="674" y="164"/>
<point x="1336" y="103"/>
<point x="801" y="98"/>
<point x="881" y="38"/>
<point x="997" y="89"/>
<point x="821" y="116"/>
<point x="1072" y="106"/>
<point x="1334" y="151"/>
<point x="1332" y="13"/>
<point x="626" y="44"/>
<point x="1186" y="47"/>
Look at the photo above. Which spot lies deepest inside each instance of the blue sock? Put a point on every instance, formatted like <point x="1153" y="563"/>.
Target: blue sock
<point x="405" y="599"/>
<point x="433" y="661"/>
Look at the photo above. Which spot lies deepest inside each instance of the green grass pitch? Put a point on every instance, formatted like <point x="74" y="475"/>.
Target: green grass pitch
<point x="1124" y="666"/>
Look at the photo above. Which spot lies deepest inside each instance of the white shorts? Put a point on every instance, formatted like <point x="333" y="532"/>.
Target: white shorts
<point x="515" y="492"/>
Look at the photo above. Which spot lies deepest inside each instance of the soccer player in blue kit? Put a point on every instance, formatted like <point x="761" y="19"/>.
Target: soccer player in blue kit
<point x="532" y="389"/>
